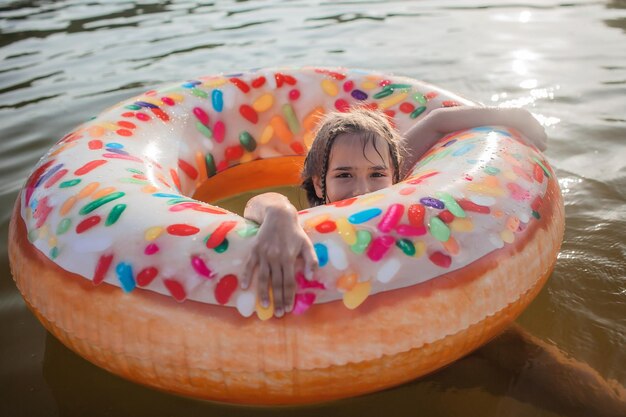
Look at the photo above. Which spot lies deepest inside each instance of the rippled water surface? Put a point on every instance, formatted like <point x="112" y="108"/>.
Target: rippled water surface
<point x="63" y="62"/>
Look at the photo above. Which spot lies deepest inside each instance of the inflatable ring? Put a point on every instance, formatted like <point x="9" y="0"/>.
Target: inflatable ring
<point x="116" y="249"/>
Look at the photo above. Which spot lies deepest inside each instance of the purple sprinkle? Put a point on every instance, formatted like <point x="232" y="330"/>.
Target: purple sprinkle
<point x="48" y="174"/>
<point x="432" y="202"/>
<point x="146" y="104"/>
<point x="117" y="151"/>
<point x="449" y="142"/>
<point x="359" y="95"/>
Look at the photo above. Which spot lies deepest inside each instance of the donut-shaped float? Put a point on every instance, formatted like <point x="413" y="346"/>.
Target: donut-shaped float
<point x="117" y="250"/>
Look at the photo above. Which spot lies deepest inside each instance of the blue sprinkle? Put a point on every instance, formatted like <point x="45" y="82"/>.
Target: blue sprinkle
<point x="217" y="99"/>
<point x="432" y="202"/>
<point x="359" y="95"/>
<point x="463" y="149"/>
<point x="114" y="145"/>
<point x="146" y="104"/>
<point x="449" y="143"/>
<point x="33" y="204"/>
<point x="191" y="84"/>
<point x="48" y="174"/>
<point x="238" y="74"/>
<point x="322" y="253"/>
<point x="125" y="276"/>
<point x="365" y="215"/>
<point x="165" y="195"/>
<point x="117" y="151"/>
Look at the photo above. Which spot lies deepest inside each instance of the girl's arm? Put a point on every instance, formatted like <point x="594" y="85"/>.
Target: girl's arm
<point x="281" y="242"/>
<point x="439" y="122"/>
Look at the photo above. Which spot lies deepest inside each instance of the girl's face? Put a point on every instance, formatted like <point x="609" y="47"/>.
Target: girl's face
<point x="354" y="171"/>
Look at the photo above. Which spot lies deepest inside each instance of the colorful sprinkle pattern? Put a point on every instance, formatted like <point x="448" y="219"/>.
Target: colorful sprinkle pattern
<point x="110" y="201"/>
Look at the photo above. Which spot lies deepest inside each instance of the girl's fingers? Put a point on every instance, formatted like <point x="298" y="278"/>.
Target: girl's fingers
<point x="277" y="289"/>
<point x="250" y="267"/>
<point x="310" y="261"/>
<point x="289" y="286"/>
<point x="263" y="277"/>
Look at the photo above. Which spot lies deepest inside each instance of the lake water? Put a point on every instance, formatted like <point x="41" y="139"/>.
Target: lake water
<point x="63" y="62"/>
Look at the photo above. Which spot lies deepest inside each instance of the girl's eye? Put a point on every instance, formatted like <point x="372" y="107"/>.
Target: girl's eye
<point x="343" y="175"/>
<point x="379" y="174"/>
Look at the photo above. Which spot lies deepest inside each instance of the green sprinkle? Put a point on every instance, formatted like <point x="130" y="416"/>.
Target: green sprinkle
<point x="199" y="93"/>
<point x="292" y="119"/>
<point x="134" y="171"/>
<point x="222" y="247"/>
<point x="33" y="235"/>
<point x="247" y="141"/>
<point x="115" y="214"/>
<point x="545" y="170"/>
<point x="363" y="239"/>
<point x="407" y="246"/>
<point x="384" y="93"/>
<point x="210" y="165"/>
<point x="451" y="204"/>
<point x="438" y="229"/>
<point x="415" y="113"/>
<point x="174" y="201"/>
<point x="204" y="130"/>
<point x="88" y="208"/>
<point x="249" y="230"/>
<point x="536" y="215"/>
<point x="70" y="183"/>
<point x="133" y="181"/>
<point x="54" y="252"/>
<point x="64" y="226"/>
<point x="492" y="170"/>
<point x="133" y="107"/>
<point x="398" y="86"/>
<point x="419" y="97"/>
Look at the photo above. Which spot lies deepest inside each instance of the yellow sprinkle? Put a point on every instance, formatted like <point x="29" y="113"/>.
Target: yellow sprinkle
<point x="95" y="131"/>
<point x="43" y="231"/>
<point x="52" y="241"/>
<point x="330" y="87"/>
<point x="63" y="148"/>
<point x="420" y="248"/>
<point x="29" y="213"/>
<point x="372" y="199"/>
<point x="103" y="192"/>
<point x="368" y="85"/>
<point x="484" y="189"/>
<point x="176" y="97"/>
<point x="263" y="103"/>
<point x="152" y="233"/>
<point x="510" y="175"/>
<point x="392" y="101"/>
<point x="214" y="82"/>
<point x="267" y="135"/>
<point x="152" y="100"/>
<point x="346" y="231"/>
<point x="109" y="125"/>
<point x="247" y="157"/>
<point x="308" y="139"/>
<point x="451" y="246"/>
<point x="88" y="189"/>
<point x="359" y="293"/>
<point x="314" y="221"/>
<point x="498" y="213"/>
<point x="491" y="181"/>
<point x="512" y="223"/>
<point x="346" y="282"/>
<point x="265" y="313"/>
<point x="67" y="206"/>
<point x="149" y="189"/>
<point x="462" y="225"/>
<point x="507" y="236"/>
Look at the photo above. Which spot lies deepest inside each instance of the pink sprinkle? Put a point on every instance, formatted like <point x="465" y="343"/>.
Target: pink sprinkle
<point x="303" y="283"/>
<point x="219" y="130"/>
<point x="408" y="230"/>
<point x="517" y="192"/>
<point x="379" y="247"/>
<point x="201" y="115"/>
<point x="151" y="249"/>
<point x="391" y="218"/>
<point x="168" y="101"/>
<point x="200" y="266"/>
<point x="303" y="302"/>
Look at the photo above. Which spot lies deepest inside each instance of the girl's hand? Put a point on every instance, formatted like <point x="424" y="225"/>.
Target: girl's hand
<point x="281" y="242"/>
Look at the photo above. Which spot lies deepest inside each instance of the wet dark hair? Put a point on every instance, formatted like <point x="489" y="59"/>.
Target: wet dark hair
<point x="369" y="124"/>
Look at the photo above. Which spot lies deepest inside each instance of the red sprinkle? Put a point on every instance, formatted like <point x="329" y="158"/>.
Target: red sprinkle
<point x="102" y="267"/>
<point x="344" y="203"/>
<point x="537" y="202"/>
<point x="342" y="105"/>
<point x="470" y="206"/>
<point x="95" y="144"/>
<point x="258" y="82"/>
<point x="175" y="178"/>
<point x="431" y="95"/>
<point x="160" y="114"/>
<point x="450" y="103"/>
<point x="538" y="173"/>
<point x="89" y="166"/>
<point x="128" y="114"/>
<point x="348" y="86"/>
<point x="146" y="276"/>
<point x="440" y="259"/>
<point x="406" y="107"/>
<point x="188" y="169"/>
<point x="240" y="84"/>
<point x="326" y="226"/>
<point x="249" y="113"/>
<point x="233" y="153"/>
<point x="176" y="289"/>
<point x="294" y="94"/>
<point x="280" y="79"/>
<point x="446" y="216"/>
<point x="182" y="229"/>
<point x="151" y="249"/>
<point x="297" y="148"/>
<point x="218" y="236"/>
<point x="87" y="224"/>
<point x="127" y="124"/>
<point x="124" y="132"/>
<point x="416" y="215"/>
<point x="225" y="288"/>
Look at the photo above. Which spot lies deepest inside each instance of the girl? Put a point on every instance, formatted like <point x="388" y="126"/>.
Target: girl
<point x="353" y="153"/>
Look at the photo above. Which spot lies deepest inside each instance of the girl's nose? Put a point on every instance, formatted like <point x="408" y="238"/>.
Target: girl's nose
<point x="362" y="187"/>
